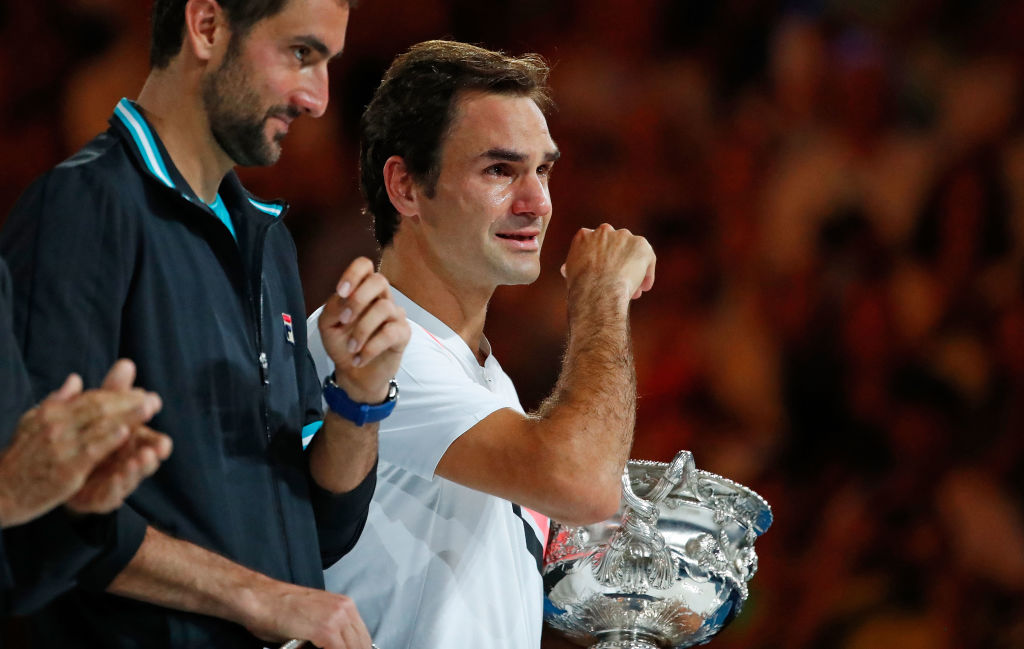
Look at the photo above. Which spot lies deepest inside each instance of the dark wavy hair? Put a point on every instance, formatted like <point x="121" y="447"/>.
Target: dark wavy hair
<point x="168" y="23"/>
<point x="413" y="107"/>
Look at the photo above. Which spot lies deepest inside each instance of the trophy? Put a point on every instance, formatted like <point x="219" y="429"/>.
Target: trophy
<point x="670" y="570"/>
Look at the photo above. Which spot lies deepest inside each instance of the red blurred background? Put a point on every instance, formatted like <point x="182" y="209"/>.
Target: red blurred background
<point x="835" y="190"/>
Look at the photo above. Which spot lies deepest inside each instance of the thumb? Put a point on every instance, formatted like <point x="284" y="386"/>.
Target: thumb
<point x="121" y="375"/>
<point x="72" y="386"/>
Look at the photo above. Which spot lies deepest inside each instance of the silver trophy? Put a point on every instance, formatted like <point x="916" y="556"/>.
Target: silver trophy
<point x="670" y="570"/>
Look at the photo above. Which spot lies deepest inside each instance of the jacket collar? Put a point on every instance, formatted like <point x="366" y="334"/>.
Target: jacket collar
<point x="147" y="148"/>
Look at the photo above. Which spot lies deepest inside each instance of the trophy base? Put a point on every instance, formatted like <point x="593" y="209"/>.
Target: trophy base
<point x="627" y="641"/>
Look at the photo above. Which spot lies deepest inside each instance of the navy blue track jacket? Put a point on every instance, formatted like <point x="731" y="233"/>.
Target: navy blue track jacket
<point x="113" y="255"/>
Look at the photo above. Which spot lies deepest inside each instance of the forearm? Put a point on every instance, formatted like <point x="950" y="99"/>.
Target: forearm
<point x="566" y="459"/>
<point x="177" y="574"/>
<point x="590" y="415"/>
<point x="342" y="454"/>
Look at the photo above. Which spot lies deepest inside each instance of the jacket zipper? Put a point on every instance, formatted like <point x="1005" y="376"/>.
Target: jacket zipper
<point x="262" y="359"/>
<point x="258" y="308"/>
<point x="264" y="365"/>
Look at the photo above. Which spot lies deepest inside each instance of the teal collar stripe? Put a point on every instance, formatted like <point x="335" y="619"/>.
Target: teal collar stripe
<point x="146" y="144"/>
<point x="221" y="210"/>
<point x="144" y="140"/>
<point x="267" y="208"/>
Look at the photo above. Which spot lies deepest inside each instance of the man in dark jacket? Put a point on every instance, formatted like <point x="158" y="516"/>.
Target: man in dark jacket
<point x="145" y="244"/>
<point x="87" y="451"/>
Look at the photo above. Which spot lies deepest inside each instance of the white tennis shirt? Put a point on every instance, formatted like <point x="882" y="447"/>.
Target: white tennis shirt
<point x="440" y="565"/>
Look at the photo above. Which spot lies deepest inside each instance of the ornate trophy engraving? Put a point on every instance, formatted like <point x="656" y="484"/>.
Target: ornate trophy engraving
<point x="670" y="571"/>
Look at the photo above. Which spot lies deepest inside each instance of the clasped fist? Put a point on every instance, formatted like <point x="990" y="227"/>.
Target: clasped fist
<point x="364" y="332"/>
<point x="604" y="256"/>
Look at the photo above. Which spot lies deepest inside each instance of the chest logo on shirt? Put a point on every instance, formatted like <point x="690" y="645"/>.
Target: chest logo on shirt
<point x="289" y="333"/>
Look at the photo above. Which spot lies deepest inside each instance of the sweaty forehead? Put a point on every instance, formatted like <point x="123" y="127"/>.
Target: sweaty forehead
<point x="485" y="121"/>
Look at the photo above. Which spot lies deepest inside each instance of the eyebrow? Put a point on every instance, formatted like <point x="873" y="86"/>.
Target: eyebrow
<point x="508" y="155"/>
<point x="315" y="43"/>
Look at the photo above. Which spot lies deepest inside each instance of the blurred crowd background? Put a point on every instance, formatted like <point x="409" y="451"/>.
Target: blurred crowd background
<point x="835" y="190"/>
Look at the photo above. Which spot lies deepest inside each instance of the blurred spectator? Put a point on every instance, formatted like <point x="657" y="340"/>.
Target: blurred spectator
<point x="835" y="191"/>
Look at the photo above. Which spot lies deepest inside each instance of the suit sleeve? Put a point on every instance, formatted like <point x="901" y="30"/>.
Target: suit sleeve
<point x="71" y="252"/>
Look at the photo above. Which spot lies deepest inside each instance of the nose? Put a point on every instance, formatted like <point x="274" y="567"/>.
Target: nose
<point x="314" y="94"/>
<point x="532" y="196"/>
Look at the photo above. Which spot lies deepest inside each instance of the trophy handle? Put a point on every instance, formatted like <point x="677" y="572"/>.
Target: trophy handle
<point x="645" y="508"/>
<point x="637" y="556"/>
<point x="682" y="468"/>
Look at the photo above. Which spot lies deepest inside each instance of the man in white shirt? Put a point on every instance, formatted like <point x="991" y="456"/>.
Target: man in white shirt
<point x="455" y="162"/>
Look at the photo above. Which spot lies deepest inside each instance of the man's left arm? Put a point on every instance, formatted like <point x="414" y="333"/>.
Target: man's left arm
<point x="364" y="333"/>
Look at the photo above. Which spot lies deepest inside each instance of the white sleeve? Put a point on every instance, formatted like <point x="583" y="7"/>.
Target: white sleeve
<point x="323" y="362"/>
<point x="437" y="401"/>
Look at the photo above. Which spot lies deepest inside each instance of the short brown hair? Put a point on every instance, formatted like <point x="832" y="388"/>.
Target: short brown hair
<point x="168" y="23"/>
<point x="413" y="107"/>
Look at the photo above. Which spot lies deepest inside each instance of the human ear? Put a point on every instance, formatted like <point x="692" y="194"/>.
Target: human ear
<point x="206" y="29"/>
<point x="401" y="187"/>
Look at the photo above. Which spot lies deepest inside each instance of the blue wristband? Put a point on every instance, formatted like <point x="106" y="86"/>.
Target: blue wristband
<point x="358" y="413"/>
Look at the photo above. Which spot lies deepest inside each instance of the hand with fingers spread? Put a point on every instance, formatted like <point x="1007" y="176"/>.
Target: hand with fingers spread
<point x="71" y="445"/>
<point x="364" y="332"/>
<point x="606" y="258"/>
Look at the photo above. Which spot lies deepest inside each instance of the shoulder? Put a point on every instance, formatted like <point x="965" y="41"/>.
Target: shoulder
<point x="87" y="204"/>
<point x="92" y="180"/>
<point x="102" y="163"/>
<point x="425" y="356"/>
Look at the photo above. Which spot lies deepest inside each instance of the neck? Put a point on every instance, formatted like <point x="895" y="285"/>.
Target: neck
<point x="463" y="308"/>
<point x="173" y="104"/>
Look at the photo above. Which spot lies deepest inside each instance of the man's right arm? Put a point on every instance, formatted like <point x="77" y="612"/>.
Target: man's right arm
<point x="566" y="460"/>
